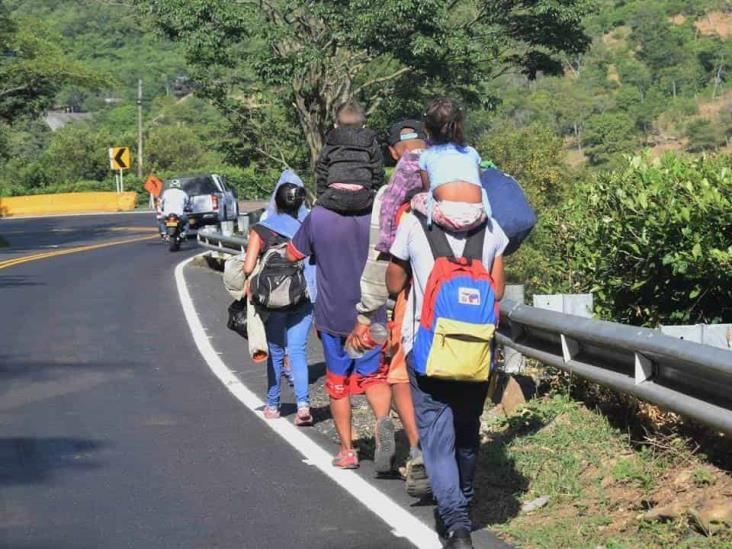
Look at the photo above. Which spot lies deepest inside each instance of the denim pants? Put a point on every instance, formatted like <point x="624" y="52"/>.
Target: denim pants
<point x="448" y="418"/>
<point x="287" y="335"/>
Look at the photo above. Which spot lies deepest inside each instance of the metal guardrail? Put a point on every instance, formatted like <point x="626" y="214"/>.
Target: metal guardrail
<point x="688" y="378"/>
<point x="691" y="379"/>
<point x="217" y="242"/>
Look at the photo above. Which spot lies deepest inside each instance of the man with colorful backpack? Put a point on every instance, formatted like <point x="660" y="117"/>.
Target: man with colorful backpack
<point x="448" y="337"/>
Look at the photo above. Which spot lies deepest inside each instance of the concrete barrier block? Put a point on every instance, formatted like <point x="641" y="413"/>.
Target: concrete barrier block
<point x="571" y="304"/>
<point x="67" y="203"/>
<point x="717" y="335"/>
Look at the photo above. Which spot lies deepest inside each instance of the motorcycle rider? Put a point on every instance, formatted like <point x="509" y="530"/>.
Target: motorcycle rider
<point x="175" y="200"/>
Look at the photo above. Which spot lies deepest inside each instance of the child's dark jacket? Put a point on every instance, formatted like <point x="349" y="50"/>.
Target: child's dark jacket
<point x="350" y="155"/>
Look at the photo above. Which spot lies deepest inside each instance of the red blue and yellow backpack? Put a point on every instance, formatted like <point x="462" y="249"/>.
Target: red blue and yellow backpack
<point x="454" y="339"/>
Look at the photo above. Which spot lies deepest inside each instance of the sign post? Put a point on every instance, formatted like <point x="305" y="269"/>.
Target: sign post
<point x="120" y="159"/>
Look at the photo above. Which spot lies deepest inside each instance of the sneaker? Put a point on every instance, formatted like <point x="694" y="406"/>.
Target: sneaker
<point x="303" y="417"/>
<point x="346" y="460"/>
<point x="459" y="539"/>
<point x="385" y="446"/>
<point x="418" y="485"/>
<point x="271" y="412"/>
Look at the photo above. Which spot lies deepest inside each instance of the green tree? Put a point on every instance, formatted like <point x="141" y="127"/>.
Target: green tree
<point x="534" y="156"/>
<point x="33" y="68"/>
<point x="609" y="134"/>
<point x="703" y="135"/>
<point x="317" y="54"/>
<point x="178" y="148"/>
<point x="652" y="241"/>
<point x="78" y="152"/>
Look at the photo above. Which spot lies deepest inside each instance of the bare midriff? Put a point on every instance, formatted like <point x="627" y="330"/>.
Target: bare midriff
<point x="459" y="191"/>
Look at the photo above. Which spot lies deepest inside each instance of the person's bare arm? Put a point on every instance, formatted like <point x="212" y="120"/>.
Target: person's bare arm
<point x="425" y="180"/>
<point x="499" y="278"/>
<point x="396" y="275"/>
<point x="254" y="246"/>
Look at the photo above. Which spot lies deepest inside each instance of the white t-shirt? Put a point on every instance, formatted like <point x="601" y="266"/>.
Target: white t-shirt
<point x="411" y="244"/>
<point x="173" y="201"/>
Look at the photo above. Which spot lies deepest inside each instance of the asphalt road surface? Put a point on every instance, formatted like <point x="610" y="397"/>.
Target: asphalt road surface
<point x="113" y="431"/>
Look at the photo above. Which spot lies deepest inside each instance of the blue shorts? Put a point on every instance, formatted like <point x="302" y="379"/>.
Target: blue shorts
<point x="346" y="376"/>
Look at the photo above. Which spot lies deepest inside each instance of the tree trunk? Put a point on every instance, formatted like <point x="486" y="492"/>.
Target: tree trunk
<point x="578" y="136"/>
<point x="317" y="94"/>
<point x="717" y="79"/>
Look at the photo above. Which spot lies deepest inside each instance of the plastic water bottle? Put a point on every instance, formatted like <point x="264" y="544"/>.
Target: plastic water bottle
<point x="375" y="337"/>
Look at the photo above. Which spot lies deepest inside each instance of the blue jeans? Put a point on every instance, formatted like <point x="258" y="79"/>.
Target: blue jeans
<point x="287" y="335"/>
<point x="448" y="418"/>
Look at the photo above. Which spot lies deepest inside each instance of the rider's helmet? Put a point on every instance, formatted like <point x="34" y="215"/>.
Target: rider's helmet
<point x="174" y="184"/>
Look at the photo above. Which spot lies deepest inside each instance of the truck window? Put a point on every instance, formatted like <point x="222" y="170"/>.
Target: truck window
<point x="197" y="185"/>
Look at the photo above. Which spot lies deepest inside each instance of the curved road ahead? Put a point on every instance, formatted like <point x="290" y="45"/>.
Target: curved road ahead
<point x="113" y="431"/>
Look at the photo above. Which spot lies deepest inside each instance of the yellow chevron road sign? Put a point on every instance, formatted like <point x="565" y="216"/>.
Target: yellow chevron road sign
<point x="120" y="158"/>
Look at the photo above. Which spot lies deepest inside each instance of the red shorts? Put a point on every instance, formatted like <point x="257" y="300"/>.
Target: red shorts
<point x="345" y="376"/>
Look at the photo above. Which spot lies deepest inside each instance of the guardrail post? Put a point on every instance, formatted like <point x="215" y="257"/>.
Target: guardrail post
<point x="570" y="347"/>
<point x="513" y="361"/>
<point x="643" y="368"/>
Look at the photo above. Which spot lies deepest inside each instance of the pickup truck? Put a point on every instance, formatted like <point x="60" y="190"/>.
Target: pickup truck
<point x="212" y="200"/>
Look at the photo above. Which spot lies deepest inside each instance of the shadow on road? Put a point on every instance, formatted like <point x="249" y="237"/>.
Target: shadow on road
<point x="60" y="231"/>
<point x="11" y="281"/>
<point x="34" y="460"/>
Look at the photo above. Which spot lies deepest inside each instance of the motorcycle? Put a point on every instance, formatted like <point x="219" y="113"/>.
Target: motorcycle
<point x="175" y="232"/>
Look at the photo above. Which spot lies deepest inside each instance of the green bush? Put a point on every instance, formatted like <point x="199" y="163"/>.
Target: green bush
<point x="703" y="135"/>
<point x="653" y="242"/>
<point x="534" y="156"/>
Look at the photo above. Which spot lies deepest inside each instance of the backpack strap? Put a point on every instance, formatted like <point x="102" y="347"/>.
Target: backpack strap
<point x="474" y="244"/>
<point x="436" y="237"/>
<point x="441" y="247"/>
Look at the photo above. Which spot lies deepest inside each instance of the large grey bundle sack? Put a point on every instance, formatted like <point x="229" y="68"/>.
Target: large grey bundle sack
<point x="234" y="275"/>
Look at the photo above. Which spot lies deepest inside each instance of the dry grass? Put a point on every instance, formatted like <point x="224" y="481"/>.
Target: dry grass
<point x="713" y="107"/>
<point x="618" y="473"/>
<point x="717" y="23"/>
<point x="617" y="38"/>
<point x="678" y="19"/>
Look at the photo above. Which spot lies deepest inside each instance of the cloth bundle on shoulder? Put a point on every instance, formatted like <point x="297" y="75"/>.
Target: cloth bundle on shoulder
<point x="234" y="275"/>
<point x="510" y="207"/>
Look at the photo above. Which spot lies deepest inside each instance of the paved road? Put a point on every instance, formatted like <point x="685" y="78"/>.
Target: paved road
<point x="114" y="433"/>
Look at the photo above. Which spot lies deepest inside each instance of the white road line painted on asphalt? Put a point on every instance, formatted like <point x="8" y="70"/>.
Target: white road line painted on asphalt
<point x="403" y="523"/>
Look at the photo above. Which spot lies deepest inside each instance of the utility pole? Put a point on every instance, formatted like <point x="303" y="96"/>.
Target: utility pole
<point x="139" y="128"/>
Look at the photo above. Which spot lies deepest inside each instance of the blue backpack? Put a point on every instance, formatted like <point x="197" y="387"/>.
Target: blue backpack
<point x="509" y="204"/>
<point x="454" y="339"/>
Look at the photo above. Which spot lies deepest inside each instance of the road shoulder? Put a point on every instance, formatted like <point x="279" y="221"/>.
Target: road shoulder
<point x="210" y="302"/>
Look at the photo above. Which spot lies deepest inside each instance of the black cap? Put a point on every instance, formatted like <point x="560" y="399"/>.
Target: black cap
<point x="395" y="134"/>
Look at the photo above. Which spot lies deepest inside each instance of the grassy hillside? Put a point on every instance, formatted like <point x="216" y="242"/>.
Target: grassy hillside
<point x="107" y="37"/>
<point x="657" y="76"/>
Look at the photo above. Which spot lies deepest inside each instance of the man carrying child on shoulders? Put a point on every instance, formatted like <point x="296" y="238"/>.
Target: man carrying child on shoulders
<point x="336" y="233"/>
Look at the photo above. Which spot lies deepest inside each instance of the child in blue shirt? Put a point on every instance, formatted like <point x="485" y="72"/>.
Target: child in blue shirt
<point x="450" y="168"/>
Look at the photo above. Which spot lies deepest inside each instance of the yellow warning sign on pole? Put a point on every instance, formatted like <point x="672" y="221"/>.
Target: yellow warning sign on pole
<point x="120" y="158"/>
